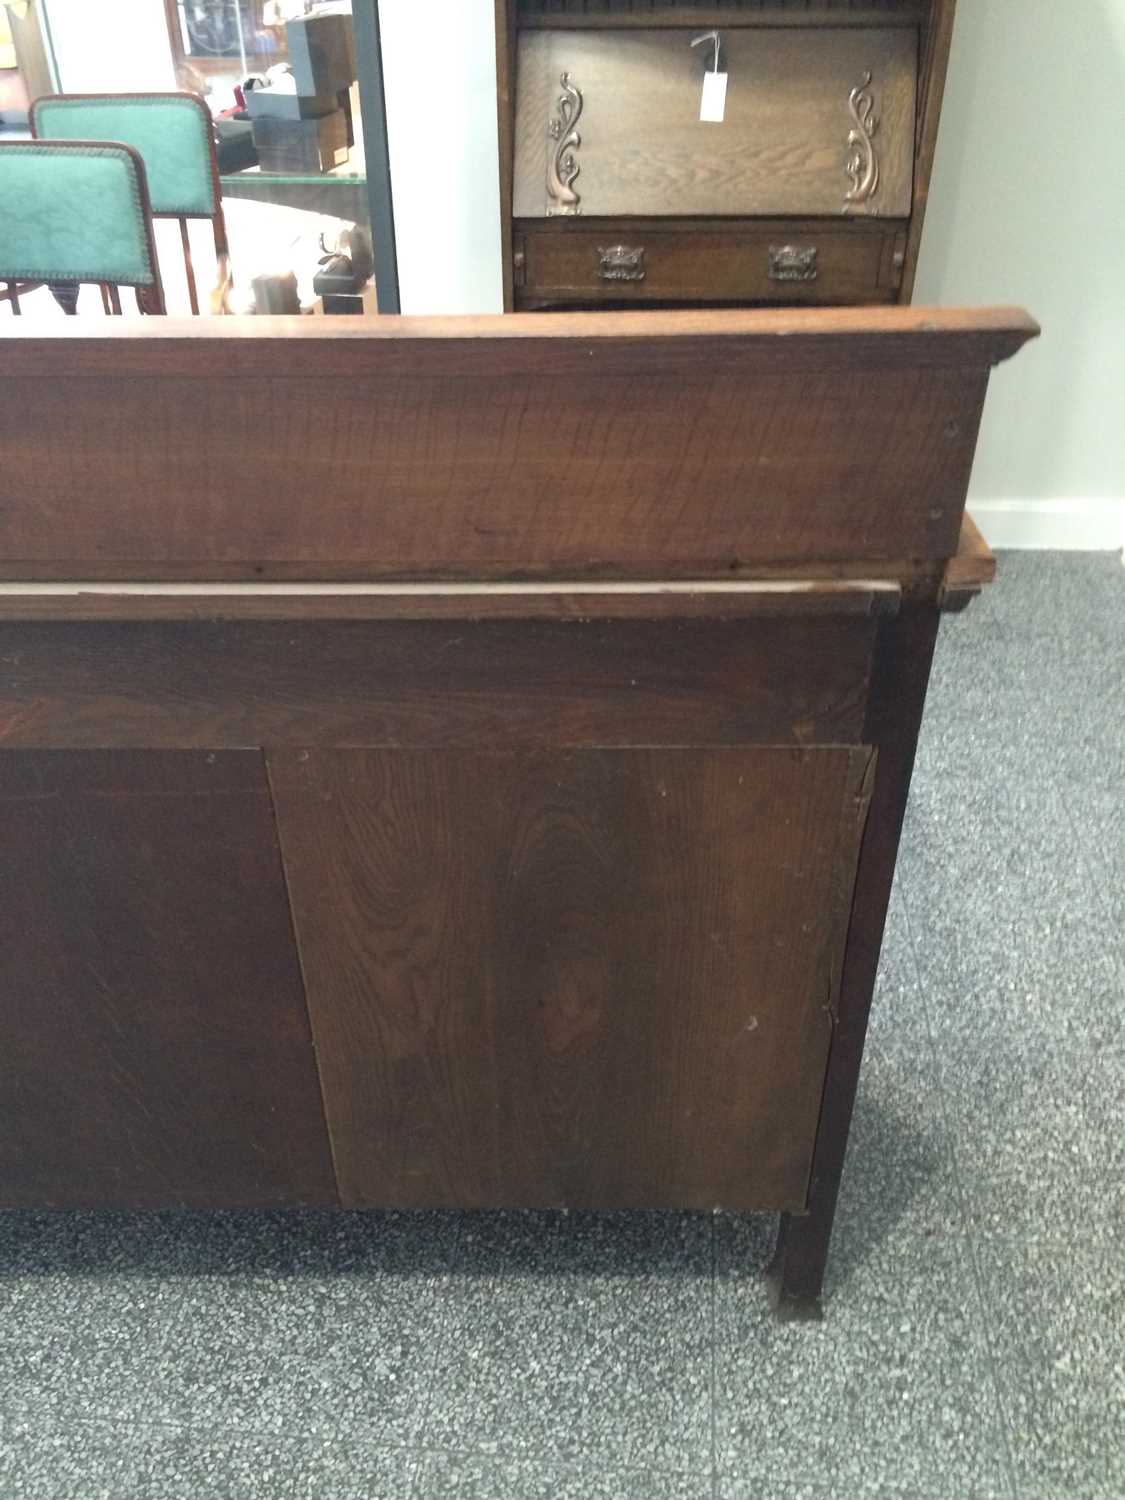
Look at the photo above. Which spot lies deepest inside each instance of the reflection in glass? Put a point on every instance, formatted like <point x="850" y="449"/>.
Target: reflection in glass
<point x="279" y="81"/>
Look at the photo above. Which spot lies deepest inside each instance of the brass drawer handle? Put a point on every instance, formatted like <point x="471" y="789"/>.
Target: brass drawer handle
<point x="621" y="262"/>
<point x="793" y="263"/>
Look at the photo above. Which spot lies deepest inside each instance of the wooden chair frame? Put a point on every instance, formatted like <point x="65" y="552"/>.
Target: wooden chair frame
<point x="150" y="299"/>
<point x="221" y="291"/>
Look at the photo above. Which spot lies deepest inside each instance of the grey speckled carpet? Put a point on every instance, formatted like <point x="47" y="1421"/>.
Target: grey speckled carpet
<point x="975" y="1338"/>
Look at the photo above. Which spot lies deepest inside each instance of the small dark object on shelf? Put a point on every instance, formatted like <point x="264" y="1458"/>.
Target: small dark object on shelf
<point x="336" y="274"/>
<point x="234" y="144"/>
<point x="340" y="302"/>
<point x="276" y="293"/>
<point x="302" y="145"/>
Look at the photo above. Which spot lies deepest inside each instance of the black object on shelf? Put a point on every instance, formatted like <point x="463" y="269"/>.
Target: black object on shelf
<point x="234" y="145"/>
<point x="302" y="146"/>
<point x="339" y="285"/>
<point x="336" y="274"/>
<point x="322" y="60"/>
<point x="322" y="53"/>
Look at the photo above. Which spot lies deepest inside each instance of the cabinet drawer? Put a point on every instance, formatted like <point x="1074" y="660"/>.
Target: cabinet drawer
<point x="768" y="265"/>
<point x="816" y="122"/>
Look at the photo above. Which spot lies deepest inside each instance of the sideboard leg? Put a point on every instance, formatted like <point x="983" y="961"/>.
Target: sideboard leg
<point x="901" y="672"/>
<point x="796" y="1273"/>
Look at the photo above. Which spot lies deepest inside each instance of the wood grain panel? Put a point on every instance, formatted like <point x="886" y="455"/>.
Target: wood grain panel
<point x="701" y="266"/>
<point x="781" y="149"/>
<point x="760" y="342"/>
<point x="652" y="445"/>
<point x="645" y="475"/>
<point x="434" y="682"/>
<point x="598" y="978"/>
<point x="154" y="1045"/>
<point x="488" y="477"/>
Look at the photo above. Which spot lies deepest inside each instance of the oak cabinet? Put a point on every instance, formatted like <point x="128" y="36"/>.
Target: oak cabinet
<point x="489" y="797"/>
<point x="625" y="181"/>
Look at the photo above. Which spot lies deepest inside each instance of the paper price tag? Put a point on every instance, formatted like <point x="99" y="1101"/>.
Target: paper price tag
<point x="713" y="105"/>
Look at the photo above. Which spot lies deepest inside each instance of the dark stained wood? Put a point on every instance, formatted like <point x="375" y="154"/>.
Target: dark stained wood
<point x="592" y="979"/>
<point x="154" y="1045"/>
<point x="894" y="717"/>
<point x="793" y="13"/>
<point x="677" y="445"/>
<point x="550" y="849"/>
<point x="969" y="571"/>
<point x="431" y="682"/>
<point x="453" y="601"/>
<point x="717" y="265"/>
<point x="23" y="583"/>
<point x="505" y="69"/>
<point x="788" y="340"/>
<point x="937" y="40"/>
<point x="440" y="485"/>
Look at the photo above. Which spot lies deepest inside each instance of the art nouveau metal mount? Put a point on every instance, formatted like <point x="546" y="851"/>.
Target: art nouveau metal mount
<point x="862" y="164"/>
<point x="562" y="161"/>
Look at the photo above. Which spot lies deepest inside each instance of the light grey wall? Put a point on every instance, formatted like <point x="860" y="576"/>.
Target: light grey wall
<point x="1028" y="205"/>
<point x="439" y="67"/>
<point x="109" y="49"/>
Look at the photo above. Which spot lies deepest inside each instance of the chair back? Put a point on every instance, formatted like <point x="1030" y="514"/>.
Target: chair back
<point x="172" y="132"/>
<point x="77" y="211"/>
<point x="176" y="139"/>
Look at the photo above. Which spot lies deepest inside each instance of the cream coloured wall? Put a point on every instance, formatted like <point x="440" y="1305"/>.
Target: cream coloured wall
<point x="1028" y="205"/>
<point x="114" y="48"/>
<point x="440" y="82"/>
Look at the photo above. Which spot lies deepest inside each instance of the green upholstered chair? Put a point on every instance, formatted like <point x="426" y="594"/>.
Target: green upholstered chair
<point x="176" y="140"/>
<point x="74" y="212"/>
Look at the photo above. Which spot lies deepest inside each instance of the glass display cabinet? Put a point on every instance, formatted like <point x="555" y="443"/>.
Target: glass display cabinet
<point x="290" y="88"/>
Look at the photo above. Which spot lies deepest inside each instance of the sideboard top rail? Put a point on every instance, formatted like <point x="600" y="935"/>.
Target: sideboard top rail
<point x="767" y="339"/>
<point x="642" y="445"/>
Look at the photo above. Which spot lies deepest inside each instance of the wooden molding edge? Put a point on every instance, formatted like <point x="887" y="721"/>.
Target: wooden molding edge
<point x="966" y="574"/>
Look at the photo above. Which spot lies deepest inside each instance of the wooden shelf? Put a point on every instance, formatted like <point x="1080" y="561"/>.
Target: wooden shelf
<point x="904" y="13"/>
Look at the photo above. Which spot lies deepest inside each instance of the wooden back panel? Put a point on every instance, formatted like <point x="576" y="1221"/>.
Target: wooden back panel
<point x="656" y="445"/>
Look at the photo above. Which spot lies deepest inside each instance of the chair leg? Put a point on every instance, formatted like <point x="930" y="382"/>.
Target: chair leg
<point x="65" y="294"/>
<point x="114" y="300"/>
<point x="107" y="307"/>
<point x="186" y="242"/>
<point x="220" y="294"/>
<point x="14" y="298"/>
<point x="150" y="299"/>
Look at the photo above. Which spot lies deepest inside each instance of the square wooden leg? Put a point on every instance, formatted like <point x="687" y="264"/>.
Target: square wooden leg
<point x="894" y="716"/>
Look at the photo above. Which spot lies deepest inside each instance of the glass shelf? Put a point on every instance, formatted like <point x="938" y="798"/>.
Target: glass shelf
<point x="283" y="179"/>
